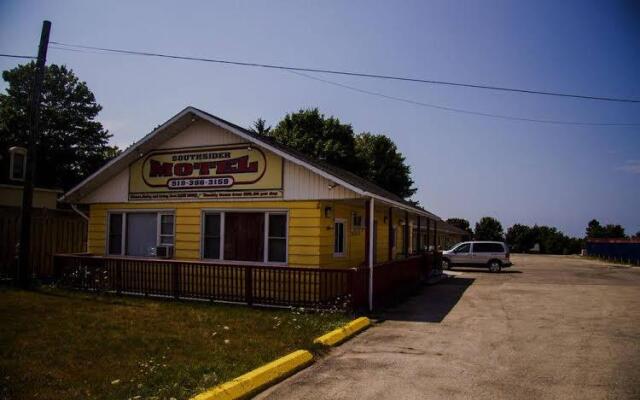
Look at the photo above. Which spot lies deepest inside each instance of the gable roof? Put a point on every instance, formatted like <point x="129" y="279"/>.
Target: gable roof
<point x="191" y="114"/>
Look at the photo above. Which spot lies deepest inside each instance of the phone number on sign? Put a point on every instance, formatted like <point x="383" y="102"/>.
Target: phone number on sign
<point x="200" y="183"/>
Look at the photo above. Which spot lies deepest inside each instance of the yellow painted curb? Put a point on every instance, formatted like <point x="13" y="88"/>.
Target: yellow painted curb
<point x="250" y="382"/>
<point x="340" y="334"/>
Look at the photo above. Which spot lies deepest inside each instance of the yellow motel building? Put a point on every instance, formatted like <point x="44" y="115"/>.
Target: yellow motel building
<point x="201" y="189"/>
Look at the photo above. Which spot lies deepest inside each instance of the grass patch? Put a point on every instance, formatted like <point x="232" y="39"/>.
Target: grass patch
<point x="56" y="344"/>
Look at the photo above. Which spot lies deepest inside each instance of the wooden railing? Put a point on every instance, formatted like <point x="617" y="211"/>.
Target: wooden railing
<point x="250" y="284"/>
<point x="244" y="283"/>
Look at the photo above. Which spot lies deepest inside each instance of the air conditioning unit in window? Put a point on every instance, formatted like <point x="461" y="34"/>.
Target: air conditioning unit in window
<point x="164" y="251"/>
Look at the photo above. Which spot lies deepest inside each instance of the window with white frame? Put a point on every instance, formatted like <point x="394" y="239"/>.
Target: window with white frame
<point x="339" y="238"/>
<point x="256" y="236"/>
<point x="139" y="233"/>
<point x="17" y="163"/>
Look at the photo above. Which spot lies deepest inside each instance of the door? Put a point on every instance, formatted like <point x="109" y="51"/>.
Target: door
<point x="244" y="236"/>
<point x="461" y="254"/>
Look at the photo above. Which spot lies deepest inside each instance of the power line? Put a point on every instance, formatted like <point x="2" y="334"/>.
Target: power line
<point x="460" y="110"/>
<point x="349" y="73"/>
<point x="16" y="56"/>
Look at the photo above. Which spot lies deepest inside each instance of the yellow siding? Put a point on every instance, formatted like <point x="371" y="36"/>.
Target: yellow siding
<point x="311" y="234"/>
<point x="304" y="226"/>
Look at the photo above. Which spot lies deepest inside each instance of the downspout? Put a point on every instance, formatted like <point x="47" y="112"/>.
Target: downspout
<point x="371" y="227"/>
<point x="80" y="213"/>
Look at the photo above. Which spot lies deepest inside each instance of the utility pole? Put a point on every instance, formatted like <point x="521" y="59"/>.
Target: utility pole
<point x="24" y="266"/>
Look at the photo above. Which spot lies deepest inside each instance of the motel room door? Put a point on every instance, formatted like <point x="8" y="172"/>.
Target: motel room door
<point x="244" y="236"/>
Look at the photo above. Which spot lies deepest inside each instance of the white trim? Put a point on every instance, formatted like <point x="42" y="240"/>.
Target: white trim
<point x="265" y="253"/>
<point x="342" y="221"/>
<point x="124" y="211"/>
<point x="122" y="233"/>
<point x="131" y="149"/>
<point x="267" y="237"/>
<point x="159" y="229"/>
<point x="12" y="153"/>
<point x="80" y="213"/>
<point x="215" y="121"/>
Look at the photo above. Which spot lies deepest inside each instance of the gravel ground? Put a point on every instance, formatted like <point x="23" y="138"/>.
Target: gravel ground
<point x="551" y="327"/>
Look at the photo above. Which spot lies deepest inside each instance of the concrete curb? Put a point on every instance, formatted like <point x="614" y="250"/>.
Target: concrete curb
<point x="252" y="381"/>
<point x="340" y="334"/>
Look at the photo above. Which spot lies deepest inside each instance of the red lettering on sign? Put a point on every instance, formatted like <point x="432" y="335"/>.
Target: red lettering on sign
<point x="183" y="169"/>
<point x="236" y="166"/>
<point x="160" y="169"/>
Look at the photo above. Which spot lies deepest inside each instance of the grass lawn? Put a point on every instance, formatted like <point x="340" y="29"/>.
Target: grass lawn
<point x="66" y="345"/>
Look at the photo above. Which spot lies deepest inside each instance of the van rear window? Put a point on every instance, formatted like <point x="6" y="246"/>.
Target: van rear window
<point x="488" y="248"/>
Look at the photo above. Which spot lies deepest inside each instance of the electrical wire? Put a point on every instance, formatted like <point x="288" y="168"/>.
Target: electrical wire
<point x="460" y="110"/>
<point x="349" y="73"/>
<point x="16" y="56"/>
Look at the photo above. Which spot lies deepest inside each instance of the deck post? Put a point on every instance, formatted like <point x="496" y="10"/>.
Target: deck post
<point x="405" y="242"/>
<point x="419" y="239"/>
<point x="370" y="251"/>
<point x="435" y="235"/>
<point x="248" y="285"/>
<point x="391" y="238"/>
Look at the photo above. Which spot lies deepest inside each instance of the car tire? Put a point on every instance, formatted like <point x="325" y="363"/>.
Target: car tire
<point x="495" y="266"/>
<point x="446" y="264"/>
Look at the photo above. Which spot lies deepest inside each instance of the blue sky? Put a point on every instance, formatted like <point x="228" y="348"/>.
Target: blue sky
<point x="466" y="166"/>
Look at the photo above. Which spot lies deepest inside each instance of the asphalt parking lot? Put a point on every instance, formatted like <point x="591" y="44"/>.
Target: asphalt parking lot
<point x="551" y="327"/>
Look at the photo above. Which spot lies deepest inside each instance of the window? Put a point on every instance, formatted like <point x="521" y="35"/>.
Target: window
<point x="488" y="248"/>
<point x="116" y="225"/>
<point x="139" y="233"/>
<point x="142" y="234"/>
<point x="277" y="238"/>
<point x="463" y="248"/>
<point x="211" y="236"/>
<point x="245" y="236"/>
<point x="18" y="163"/>
<point x="166" y="230"/>
<point x="339" y="238"/>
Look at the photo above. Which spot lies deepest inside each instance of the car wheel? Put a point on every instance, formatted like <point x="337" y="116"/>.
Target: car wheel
<point x="495" y="266"/>
<point x="446" y="264"/>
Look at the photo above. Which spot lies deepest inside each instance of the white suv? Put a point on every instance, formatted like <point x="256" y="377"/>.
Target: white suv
<point x="492" y="255"/>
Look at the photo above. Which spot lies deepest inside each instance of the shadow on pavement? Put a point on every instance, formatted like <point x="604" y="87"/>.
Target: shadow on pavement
<point x="430" y="304"/>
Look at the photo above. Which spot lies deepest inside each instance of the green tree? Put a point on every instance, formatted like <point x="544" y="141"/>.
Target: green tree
<point x="594" y="229"/>
<point x="72" y="143"/>
<point x="520" y="238"/>
<point x="260" y="127"/>
<point x="373" y="157"/>
<point x="326" y="139"/>
<point x="614" y="231"/>
<point x="461" y="223"/>
<point x="383" y="164"/>
<point x="610" y="231"/>
<point x="488" y="228"/>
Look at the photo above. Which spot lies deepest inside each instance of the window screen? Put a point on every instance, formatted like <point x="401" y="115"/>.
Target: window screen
<point x="115" y="234"/>
<point x="277" y="243"/>
<point x="142" y="229"/>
